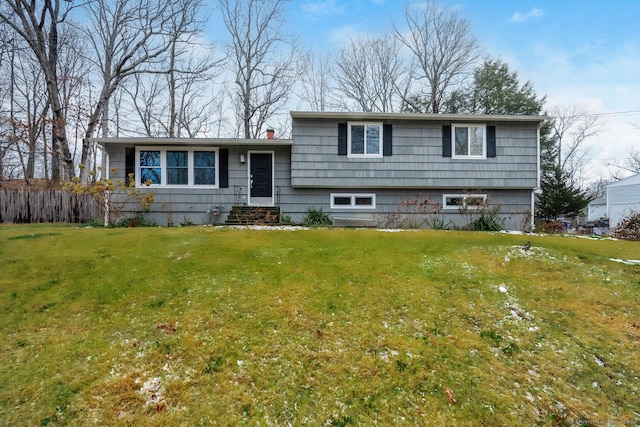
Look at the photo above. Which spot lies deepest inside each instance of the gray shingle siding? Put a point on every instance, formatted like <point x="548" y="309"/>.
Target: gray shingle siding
<point x="307" y="172"/>
<point x="192" y="203"/>
<point x="417" y="160"/>
<point x="513" y="205"/>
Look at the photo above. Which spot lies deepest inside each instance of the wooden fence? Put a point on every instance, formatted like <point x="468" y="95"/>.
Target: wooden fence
<point x="46" y="205"/>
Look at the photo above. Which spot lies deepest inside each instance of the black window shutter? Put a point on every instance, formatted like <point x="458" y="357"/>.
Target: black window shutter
<point x="387" y="140"/>
<point x="342" y="139"/>
<point x="129" y="163"/>
<point x="446" y="141"/>
<point x="491" y="141"/>
<point x="223" y="164"/>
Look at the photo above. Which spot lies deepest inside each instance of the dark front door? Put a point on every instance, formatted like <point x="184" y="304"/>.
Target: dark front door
<point x="261" y="175"/>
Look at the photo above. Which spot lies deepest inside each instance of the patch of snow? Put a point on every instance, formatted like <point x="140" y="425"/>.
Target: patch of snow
<point x="598" y="360"/>
<point x="626" y="261"/>
<point x="592" y="237"/>
<point x="151" y="388"/>
<point x="268" y="227"/>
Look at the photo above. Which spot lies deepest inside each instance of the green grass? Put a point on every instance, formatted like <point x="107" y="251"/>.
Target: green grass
<point x="201" y="326"/>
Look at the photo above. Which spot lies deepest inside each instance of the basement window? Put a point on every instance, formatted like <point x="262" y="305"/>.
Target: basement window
<point x="462" y="201"/>
<point x="353" y="201"/>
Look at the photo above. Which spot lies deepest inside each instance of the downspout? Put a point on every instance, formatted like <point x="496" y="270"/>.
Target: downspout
<point x="106" y="172"/>
<point x="608" y="213"/>
<point x="537" y="189"/>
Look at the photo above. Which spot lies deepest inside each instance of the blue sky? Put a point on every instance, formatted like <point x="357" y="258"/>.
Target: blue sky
<point x="584" y="53"/>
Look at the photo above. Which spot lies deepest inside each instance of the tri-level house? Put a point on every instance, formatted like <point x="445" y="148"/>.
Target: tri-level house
<point x="358" y="167"/>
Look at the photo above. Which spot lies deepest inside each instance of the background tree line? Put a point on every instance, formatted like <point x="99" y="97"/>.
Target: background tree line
<point x="74" y="70"/>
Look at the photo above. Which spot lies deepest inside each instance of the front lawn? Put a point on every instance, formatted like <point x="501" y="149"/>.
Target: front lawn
<point x="202" y="326"/>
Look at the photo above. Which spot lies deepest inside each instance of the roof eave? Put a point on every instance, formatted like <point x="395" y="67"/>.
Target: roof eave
<point x="192" y="141"/>
<point x="416" y="116"/>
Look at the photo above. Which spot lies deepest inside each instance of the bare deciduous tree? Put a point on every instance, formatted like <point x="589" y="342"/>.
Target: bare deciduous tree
<point x="176" y="101"/>
<point x="572" y="126"/>
<point x="190" y="66"/>
<point x="6" y="40"/>
<point x="38" y="24"/>
<point x="444" y="49"/>
<point x="29" y="106"/>
<point x="264" y="60"/>
<point x="315" y="90"/>
<point x="129" y="38"/>
<point x="369" y="72"/>
<point x="630" y="164"/>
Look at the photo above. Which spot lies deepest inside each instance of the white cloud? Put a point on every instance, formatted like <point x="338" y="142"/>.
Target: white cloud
<point x="321" y="8"/>
<point x="520" y="17"/>
<point x="340" y="36"/>
<point x="602" y="79"/>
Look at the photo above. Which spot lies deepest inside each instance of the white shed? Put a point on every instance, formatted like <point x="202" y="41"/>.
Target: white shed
<point x="623" y="197"/>
<point x="597" y="209"/>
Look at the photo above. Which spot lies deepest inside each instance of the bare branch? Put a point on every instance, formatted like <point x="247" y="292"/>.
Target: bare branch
<point x="368" y="71"/>
<point x="264" y="59"/>
<point x="443" y="47"/>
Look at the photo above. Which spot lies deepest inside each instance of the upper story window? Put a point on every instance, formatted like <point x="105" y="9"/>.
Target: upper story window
<point x="469" y="141"/>
<point x="177" y="166"/>
<point x="364" y="140"/>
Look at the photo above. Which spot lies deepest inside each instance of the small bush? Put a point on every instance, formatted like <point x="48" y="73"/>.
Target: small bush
<point x="554" y="226"/>
<point x="487" y="222"/>
<point x="286" y="220"/>
<point x="186" y="222"/>
<point x="628" y="227"/>
<point x="480" y="216"/>
<point x="416" y="212"/>
<point x="135" y="221"/>
<point x="116" y="195"/>
<point x="315" y="217"/>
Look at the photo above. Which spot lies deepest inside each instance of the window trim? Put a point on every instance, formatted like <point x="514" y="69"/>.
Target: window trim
<point x="464" y="198"/>
<point x="353" y="197"/>
<point x="467" y="126"/>
<point x="380" y="142"/>
<point x="190" y="167"/>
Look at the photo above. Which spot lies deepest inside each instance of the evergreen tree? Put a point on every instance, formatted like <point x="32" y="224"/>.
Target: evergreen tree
<point x="560" y="196"/>
<point x="495" y="90"/>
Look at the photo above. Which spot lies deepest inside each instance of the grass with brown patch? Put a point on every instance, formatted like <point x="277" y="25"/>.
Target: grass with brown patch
<point x="197" y="325"/>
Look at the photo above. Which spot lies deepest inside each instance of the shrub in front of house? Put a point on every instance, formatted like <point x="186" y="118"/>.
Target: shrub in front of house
<point x="316" y="217"/>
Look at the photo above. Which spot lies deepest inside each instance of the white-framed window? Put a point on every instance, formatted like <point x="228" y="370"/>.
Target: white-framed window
<point x="364" y="139"/>
<point x="353" y="201"/>
<point x="469" y="141"/>
<point x="177" y="166"/>
<point x="462" y="201"/>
